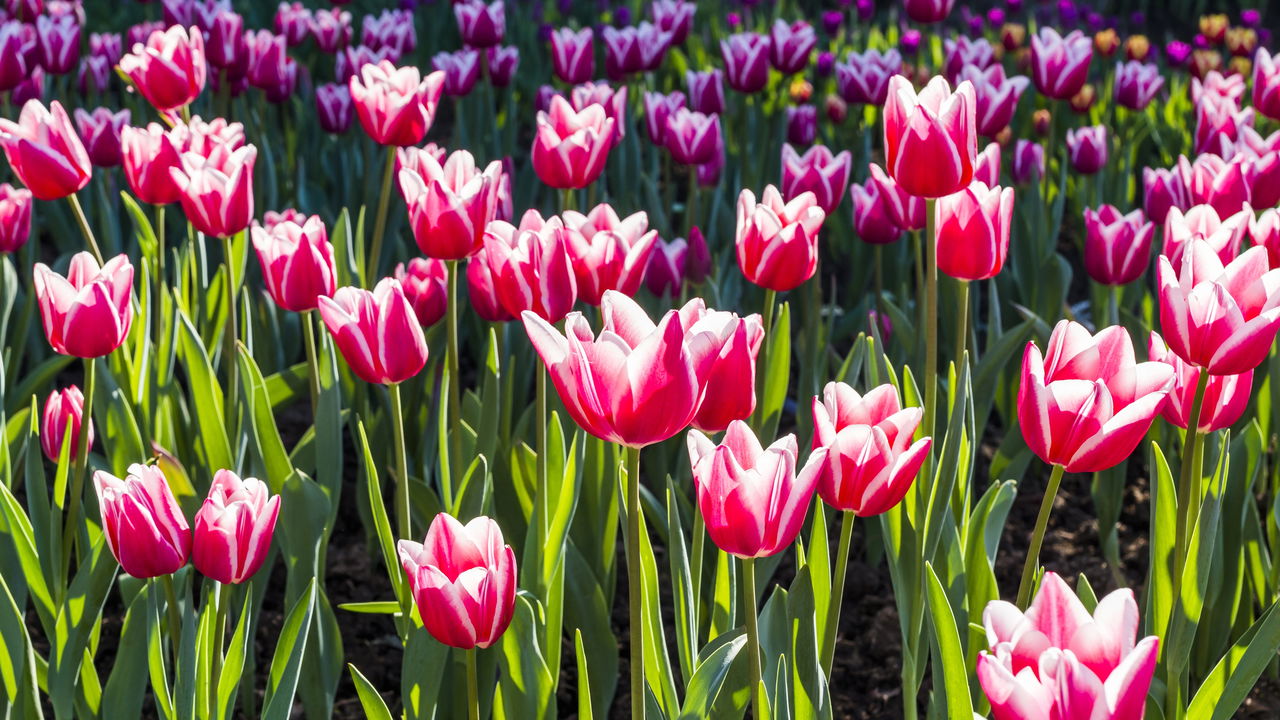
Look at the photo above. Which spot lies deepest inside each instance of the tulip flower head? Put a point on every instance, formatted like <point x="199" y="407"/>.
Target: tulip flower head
<point x="1137" y="84"/>
<point x="449" y="203"/>
<point x="376" y="332"/>
<point x="571" y="147"/>
<point x="1225" y="397"/>
<point x="44" y="151"/>
<point x="100" y="132"/>
<point x="1224" y="235"/>
<point x="818" y="171"/>
<point x="672" y="263"/>
<point x="482" y="293"/>
<point x="333" y="107"/>
<point x="15" y="217"/>
<point x="62" y="410"/>
<point x="608" y="252"/>
<point x="297" y="262"/>
<point x="863" y="79"/>
<point x="217" y="190"/>
<point x="692" y="137"/>
<point x="1060" y="65"/>
<point x="1161" y="190"/>
<point x="143" y="525"/>
<point x="731" y="378"/>
<point x="746" y="61"/>
<point x="904" y="209"/>
<point x="170" y="69"/>
<point x="1222" y="184"/>
<point x="871" y="218"/>
<point x="930" y="138"/>
<point x="790" y="45"/>
<point x="58" y="43"/>
<point x="928" y="11"/>
<point x="777" y="241"/>
<point x="503" y="61"/>
<point x="572" y="55"/>
<point x="86" y="314"/>
<point x="802" y="124"/>
<point x="1087" y="148"/>
<point x="426" y="286"/>
<point x="706" y="90"/>
<point x="395" y="105"/>
<point x="270" y="68"/>
<point x="675" y="17"/>
<point x="658" y="108"/>
<point x="1117" y="247"/>
<point x="996" y="96"/>
<point x="481" y="25"/>
<point x="234" y="528"/>
<point x="461" y="70"/>
<point x="148" y="155"/>
<point x="1028" y="162"/>
<point x="973" y="228"/>
<point x="530" y="266"/>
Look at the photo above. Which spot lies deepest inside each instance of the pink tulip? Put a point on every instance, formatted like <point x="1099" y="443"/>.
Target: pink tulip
<point x="973" y="228"/>
<point x="706" y="90"/>
<point x="777" y="241"/>
<point x="270" y="69"/>
<point x="817" y="171"/>
<point x="1221" y="87"/>
<point x="333" y="108"/>
<point x="658" y="108"/>
<point x="461" y="70"/>
<point x="503" y="61"/>
<point x="751" y="498"/>
<point x="1028" y="162"/>
<point x="531" y="266"/>
<point x="481" y="25"/>
<point x="1060" y="65"/>
<point x="1225" y="398"/>
<point x="996" y="96"/>
<point x="13" y="44"/>
<point x="987" y="166"/>
<point x="44" y="151"/>
<point x="572" y="55"/>
<point x="802" y="124"/>
<point x="571" y="147"/>
<point x="871" y="459"/>
<point x="1210" y="180"/>
<point x="148" y="154"/>
<point x="692" y="137"/>
<point x="864" y="78"/>
<point x="1224" y="235"/>
<point x="463" y="579"/>
<point x="395" y="105"/>
<point x="87" y="313"/>
<point x="1087" y="149"/>
<point x="203" y="138"/>
<point x="331" y="27"/>
<point x="1264" y="230"/>
<point x="292" y="22"/>
<point x="633" y="49"/>
<point x="217" y="191"/>
<point x="100" y="133"/>
<point x="1263" y="175"/>
<point x="1222" y="319"/>
<point x="961" y="52"/>
<point x="426" y="286"/>
<point x="94" y="75"/>
<point x="606" y="252"/>
<point x="392" y="30"/>
<point x="1266" y="84"/>
<point x="226" y="48"/>
<point x="64" y="407"/>
<point x="675" y="17"/>
<point x="790" y="45"/>
<point x="746" y="61"/>
<point x="709" y="172"/>
<point x="1219" y="121"/>
<point x="376" y="332"/>
<point x="613" y="100"/>
<point x="669" y="363"/>
<point x="871" y="219"/>
<point x="904" y="209"/>
<point x="143" y="525"/>
<point x="730" y="392"/>
<point x="1137" y="84"/>
<point x="297" y="262"/>
<point x="15" y="217"/>
<point x="170" y="69"/>
<point x="482" y="292"/>
<point x="672" y="263"/>
<point x="58" y="42"/>
<point x="930" y="139"/>
<point x="450" y="204"/>
<point x="928" y="11"/>
<point x="1162" y="190"/>
<point x="1117" y="247"/>
<point x="1058" y="661"/>
<point x="350" y="59"/>
<point x="234" y="528"/>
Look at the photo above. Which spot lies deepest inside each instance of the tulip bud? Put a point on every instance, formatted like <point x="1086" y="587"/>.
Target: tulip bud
<point x="675" y="17"/>
<point x="777" y="241"/>
<point x="86" y="314"/>
<point x="100" y="132"/>
<point x="571" y="147"/>
<point x="607" y="253"/>
<point x="170" y="69"/>
<point x="142" y="523"/>
<point x="706" y="90"/>
<point x="217" y="191"/>
<point x="1117" y="247"/>
<point x="973" y="228"/>
<point x="503" y="61"/>
<point x="930" y="138"/>
<point x="270" y="69"/>
<point x="1087" y="148"/>
<point x="376" y="332"/>
<point x="15" y="217"/>
<point x="333" y="108"/>
<point x="1225" y="397"/>
<point x="297" y="262"/>
<point x="1137" y="47"/>
<point x="746" y="58"/>
<point x="58" y="43"/>
<point x="395" y="105"/>
<point x="44" y="151"/>
<point x="871" y="219"/>
<point x="234" y="528"/>
<point x="481" y="291"/>
<point x="1012" y="36"/>
<point x="426" y="286"/>
<point x="1106" y="42"/>
<point x="691" y="137"/>
<point x="837" y="109"/>
<point x="450" y="205"/>
<point x="63" y="408"/>
<point x="1082" y="101"/>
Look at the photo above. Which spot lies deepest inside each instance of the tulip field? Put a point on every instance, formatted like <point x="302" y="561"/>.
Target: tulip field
<point x="639" y="359"/>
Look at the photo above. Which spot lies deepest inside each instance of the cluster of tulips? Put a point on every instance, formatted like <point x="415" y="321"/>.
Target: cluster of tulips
<point x="190" y="354"/>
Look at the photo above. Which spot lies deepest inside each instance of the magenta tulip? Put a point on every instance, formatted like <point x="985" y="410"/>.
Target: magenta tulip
<point x="1137" y="84"/>
<point x="461" y="70"/>
<point x="928" y="11"/>
<point x="142" y="522"/>
<point x="790" y="45"/>
<point x="706" y="90"/>
<point x="531" y="267"/>
<point x="818" y="171"/>
<point x="675" y="17"/>
<point x="1266" y="84"/>
<point x="1162" y="190"/>
<point x="746" y="61"/>
<point x="1060" y="65"/>
<point x="15" y="217"/>
<point x="217" y="191"/>
<point x="1028" y="162"/>
<point x="86" y="314"/>
<point x="481" y="25"/>
<point x="571" y="147"/>
<point x="63" y="408"/>
<point x="1224" y="235"/>
<point x="1210" y="180"/>
<point x="904" y="209"/>
<point x="691" y="137"/>
<point x="777" y="241"/>
<point x="572" y="55"/>
<point x="930" y="139"/>
<point x="658" y="108"/>
<point x="58" y="43"/>
<point x="450" y="204"/>
<point x="607" y="252"/>
<point x="100" y="132"/>
<point x="297" y="262"/>
<point x="996" y="96"/>
<point x="973" y="228"/>
<point x="730" y="392"/>
<point x="234" y="528"/>
<point x="864" y="78"/>
<point x="871" y="219"/>
<point x="170" y="69"/>
<point x="1225" y="397"/>
<point x="376" y="332"/>
<point x="44" y="151"/>
<point x="1087" y="149"/>
<point x="334" y="109"/>
<point x="1117" y="247"/>
<point x="395" y="105"/>
<point x="426" y="286"/>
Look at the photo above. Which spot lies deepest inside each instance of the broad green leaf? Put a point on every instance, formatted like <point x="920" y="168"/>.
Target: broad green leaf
<point x="375" y="708"/>
<point x="265" y="432"/>
<point x="287" y="660"/>
<point x="1233" y="678"/>
<point x="955" y="676"/>
<point x="373" y="607"/>
<point x="229" y="675"/>
<point x="584" y="680"/>
<point x="709" y="677"/>
<point x="206" y="397"/>
<point x="127" y="683"/>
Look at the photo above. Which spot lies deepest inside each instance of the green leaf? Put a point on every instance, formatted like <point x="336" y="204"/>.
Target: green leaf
<point x="287" y="661"/>
<point x="18" y="672"/>
<point x="20" y="532"/>
<point x="777" y="372"/>
<point x="955" y="676"/>
<point x="77" y="615"/>
<point x="127" y="684"/>
<point x="265" y="432"/>
<point x="1232" y="679"/>
<point x="584" y="680"/>
<point x="709" y="677"/>
<point x="156" y="657"/>
<point x="683" y="592"/>
<point x="372" y="607"/>
<point x="206" y="396"/>
<point x="382" y="523"/>
<point x="375" y="708"/>
<point x="233" y="664"/>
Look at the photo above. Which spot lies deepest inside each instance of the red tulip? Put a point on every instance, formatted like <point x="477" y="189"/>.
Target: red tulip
<point x="1086" y="404"/>
<point x="751" y="498"/>
<point x="64" y="407"/>
<point x="395" y="105"/>
<point x="426" y="286"/>
<point x="1225" y="397"/>
<point x="871" y="459"/>
<point x="376" y="332"/>
<point x="1137" y="84"/>
<point x="930" y="140"/>
<point x="871" y="218"/>
<point x="1060" y="65"/>
<point x="170" y="69"/>
<point x="864" y="78"/>
<point x="297" y="262"/>
<point x="790" y="45"/>
<point x="86" y="314"/>
<point x="746" y="61"/>
<point x="15" y="217"/>
<point x="1210" y="180"/>
<point x="777" y="242"/>
<point x="928" y="11"/>
<point x="333" y="107"/>
<point x="450" y="204"/>
<point x="142" y="522"/>
<point x="217" y="191"/>
<point x="904" y="209"/>
<point x="570" y="148"/>
<point x="730" y="392"/>
<point x="481" y="291"/>
<point x="1087" y="149"/>
<point x="481" y="25"/>
<point x="234" y="528"/>
<point x="1117" y="247"/>
<point x="973" y="228"/>
<point x="100" y="133"/>
<point x="572" y="55"/>
<point x="148" y="154"/>
<point x="1161" y="190"/>
<point x="817" y="171"/>
<point x="1223" y="235"/>
<point x="463" y="579"/>
<point x="531" y="267"/>
<point x="606" y="252"/>
<point x="44" y="151"/>
<point x="996" y="96"/>
<point x="692" y="137"/>
<point x="706" y="90"/>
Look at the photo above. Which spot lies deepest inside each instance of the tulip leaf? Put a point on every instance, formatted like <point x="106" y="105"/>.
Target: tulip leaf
<point x="148" y="242"/>
<point x="939" y="491"/>
<point x="682" y="591"/>
<point x="657" y="665"/>
<point x="982" y="540"/>
<point x="586" y="611"/>
<point x="372" y="607"/>
<point x="1190" y="598"/>
<point x="375" y="708"/>
<point x="1233" y="678"/>
<point x="77" y="615"/>
<point x="811" y="698"/>
<point x="127" y="683"/>
<point x="229" y="676"/>
<point x="382" y="524"/>
<point x="584" y="680"/>
<point x="156" y="658"/>
<point x="21" y="535"/>
<point x="526" y="690"/>
<point x="18" y="671"/>
<point x="709" y="677"/>
<point x="288" y="385"/>
<point x="429" y="659"/>
<point x="36" y="379"/>
<point x="206" y="398"/>
<point x="955" y="676"/>
<point x="286" y="663"/>
<point x="265" y="431"/>
<point x="777" y="372"/>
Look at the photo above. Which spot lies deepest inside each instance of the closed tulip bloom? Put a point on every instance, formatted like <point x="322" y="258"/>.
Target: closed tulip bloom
<point x="503" y="61"/>
<point x="481" y="25"/>
<point x="1225" y="397"/>
<point x="1263" y="175"/>
<point x="802" y="124"/>
<point x="1210" y="180"/>
<point x="962" y="52"/>
<point x="64" y="407"/>
<point x="1219" y="121"/>
<point x="928" y="11"/>
<point x="1264" y="231"/>
<point x="348" y="61"/>
<point x="1223" y="235"/>
<point x="572" y="55"/>
<point x="904" y="209"/>
<point x="973" y="231"/>
<point x="100" y="133"/>
<point x="658" y="108"/>
<point x="817" y="171"/>
<point x="996" y="96"/>
<point x="392" y="30"/>
<point x="395" y="105"/>
<point x="1117" y="247"/>
<point x="608" y="252"/>
<point x="1220" y="87"/>
<point x="675" y="17"/>
<point x="1060" y="65"/>
<point x="94" y="75"/>
<point x="482" y="293"/>
<point x="58" y="43"/>
<point x="987" y="167"/>
<point x="170" y="69"/>
<point x="1222" y="319"/>
<point x="148" y="154"/>
<point x="331" y="27"/>
<point x="730" y="393"/>
<point x="634" y="49"/>
<point x="531" y="266"/>
<point x="225" y="47"/>
<point x="450" y="204"/>
<point x="692" y="137"/>
<point x="234" y="528"/>
<point x="871" y="218"/>
<point x="1087" y="148"/>
<point x="612" y="99"/>
<point x="142" y="522"/>
<point x="1137" y="84"/>
<point x="1028" y="162"/>
<point x="864" y="78"/>
<point x="44" y="151"/>
<point x="871" y="459"/>
<point x="746" y="61"/>
<point x="292" y="22"/>
<point x="426" y="286"/>
<point x="15" y="217"/>
<point x="777" y="241"/>
<point x="930" y="139"/>
<point x="790" y="45"/>
<point x="87" y="313"/>
<point x="461" y="70"/>
<point x="664" y="275"/>
<point x="1266" y="84"/>
<point x="297" y="262"/>
<point x="1058" y="660"/>
<point x="108" y="45"/>
<point x="463" y="579"/>
<point x="1161" y="190"/>
<point x="217" y="191"/>
<point x="751" y="498"/>
<point x="271" y="70"/>
<point x="333" y="108"/>
<point x="1086" y="403"/>
<point x="709" y="172"/>
<point x="203" y="138"/>
<point x="706" y="90"/>
<point x="571" y="147"/>
<point x="13" y="64"/>
<point x="376" y="331"/>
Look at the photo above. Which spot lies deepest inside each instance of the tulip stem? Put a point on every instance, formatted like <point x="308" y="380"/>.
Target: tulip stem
<point x="837" y="592"/>
<point x="402" y="463"/>
<point x="962" y="323"/>
<point x="309" y="337"/>
<point x="1037" y="538"/>
<point x="80" y="469"/>
<point x="566" y="200"/>
<point x="230" y="335"/>
<point x="753" y="635"/>
<point x="1114" y="293"/>
<point x="380" y="221"/>
<point x="541" y="440"/>
<point x="220" y="602"/>
<point x="160" y="241"/>
<point x="635" y="581"/>
<point x="691" y="202"/>
<point x="455" y="390"/>
<point x="931" y="319"/>
<point x="83" y="222"/>
<point x="175" y="618"/>
<point x="766" y="312"/>
<point x="1190" y="485"/>
<point x="473" y="685"/>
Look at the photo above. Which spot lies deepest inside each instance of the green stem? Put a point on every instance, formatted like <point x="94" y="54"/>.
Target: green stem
<point x="83" y="222"/>
<point x="566" y="200"/>
<point x="455" y="389"/>
<point x="541" y="440"/>
<point x="1114" y="293"/>
<point x="160" y="241"/>
<point x="473" y="691"/>
<point x="962" y="323"/>
<point x="402" y="464"/>
<point x="931" y="319"/>
<point x="231" y="334"/>
<point x="879" y="277"/>
<point x="1190" y="483"/>
<point x="758" y="702"/>
<point x="80" y="469"/>
<point x="691" y="202"/>
<point x="220" y="601"/>
<point x="695" y="572"/>
<point x="1037" y="538"/>
<point x="174" y="615"/>
<point x="766" y="312"/>
<point x="309" y="337"/>
<point x="837" y="592"/>
<point x="634" y="582"/>
<point x="380" y="221"/>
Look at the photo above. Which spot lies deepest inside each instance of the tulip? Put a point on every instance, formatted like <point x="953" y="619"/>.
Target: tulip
<point x="331" y="27"/>
<point x="1225" y="398"/>
<point x="395" y="105"/>
<point x="928" y="11"/>
<point x="910" y="42"/>
<point x="270" y="69"/>
<point x="333" y="108"/>
<point x="930" y="140"/>
<point x="94" y="75"/>
<point x="973" y="231"/>
<point x="1266" y="84"/>
<point x="904" y="209"/>
<point x="692" y="137"/>
<point x="1057" y="660"/>
<point x="530" y="266"/>
<point x="147" y="155"/>
<point x="1163" y="190"/>
<point x="481" y="25"/>
<point x="614" y="102"/>
<point x="170" y="69"/>
<point x="292" y="22"/>
<point x="63" y="408"/>
<point x="503" y="61"/>
<point x="463" y="579"/>
<point x="987" y="166"/>
<point x="672" y="263"/>
<point x="100" y="133"/>
<point x="751" y="498"/>
<point x="142" y="522"/>
<point x="376" y="332"/>
<point x="802" y="124"/>
<point x="1222" y="235"/>
<point x="817" y="171"/>
<point x="746" y="61"/>
<point x="87" y="313"/>
<point x="706" y="90"/>
<point x="777" y="241"/>
<point x="13" y="64"/>
<point x="297" y="262"/>
<point x="675" y="17"/>
<point x="1219" y="86"/>
<point x="15" y="217"/>
<point x="1210" y="180"/>
<point x="634" y="49"/>
<point x="461" y="70"/>
<point x="234" y="528"/>
<point x="606" y="252"/>
<point x="871" y="218"/>
<point x="961" y="53"/>
<point x="709" y="172"/>
<point x="1219" y="121"/>
<point x="482" y="292"/>
<point x="349" y="60"/>
<point x="790" y="45"/>
<point x="1263" y="175"/>
<point x="393" y="30"/>
<point x="729" y="394"/>
<point x="58" y="43"/>
<point x="1137" y="84"/>
<point x="450" y="204"/>
<point x="871" y="460"/>
<point x="572" y="55"/>
<point x="1264" y="231"/>
<point x="1060" y="65"/>
<point x="658" y="108"/>
<point x="226" y="47"/>
<point x="1028" y="162"/>
<point x="44" y="151"/>
<point x="864" y="78"/>
<point x="107" y="45"/>
<point x="1117" y="247"/>
<point x="217" y="191"/>
<point x="996" y="96"/>
<point x="426" y="286"/>
<point x="203" y="138"/>
<point x="571" y="147"/>
<point x="1087" y="148"/>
